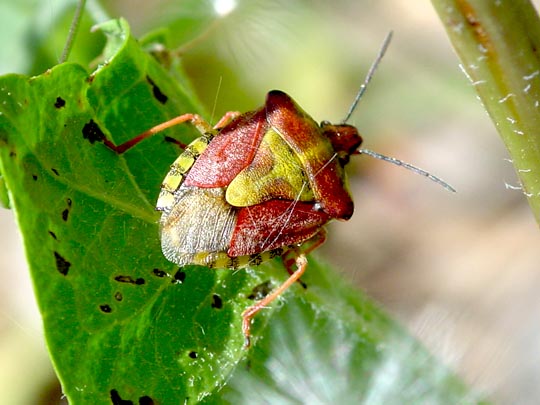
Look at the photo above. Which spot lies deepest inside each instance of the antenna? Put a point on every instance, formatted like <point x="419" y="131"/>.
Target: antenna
<point x="369" y="76"/>
<point x="408" y="166"/>
<point x="376" y="155"/>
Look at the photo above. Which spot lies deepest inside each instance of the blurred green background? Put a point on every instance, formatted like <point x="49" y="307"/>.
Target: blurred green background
<point x="459" y="270"/>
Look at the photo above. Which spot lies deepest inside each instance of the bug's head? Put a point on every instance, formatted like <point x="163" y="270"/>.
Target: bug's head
<point x="344" y="138"/>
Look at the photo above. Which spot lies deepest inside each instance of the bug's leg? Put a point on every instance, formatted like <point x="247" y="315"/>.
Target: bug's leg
<point x="226" y="119"/>
<point x="293" y="256"/>
<point x="197" y="121"/>
<point x="249" y="313"/>
<point x="289" y="257"/>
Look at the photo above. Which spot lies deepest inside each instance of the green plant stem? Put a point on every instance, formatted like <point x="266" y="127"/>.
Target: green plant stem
<point x="498" y="43"/>
<point x="74" y="27"/>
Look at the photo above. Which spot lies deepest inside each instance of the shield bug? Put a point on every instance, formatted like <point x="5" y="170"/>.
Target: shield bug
<point x="258" y="185"/>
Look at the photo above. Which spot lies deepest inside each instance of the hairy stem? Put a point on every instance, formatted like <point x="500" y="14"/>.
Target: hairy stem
<point x="498" y="44"/>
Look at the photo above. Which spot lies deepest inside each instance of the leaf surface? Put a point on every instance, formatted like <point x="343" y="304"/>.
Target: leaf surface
<point x="124" y="324"/>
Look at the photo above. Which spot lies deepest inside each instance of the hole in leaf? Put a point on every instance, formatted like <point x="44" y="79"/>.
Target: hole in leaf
<point x="62" y="265"/>
<point x="129" y="280"/>
<point x="158" y="94"/>
<point x="117" y="400"/>
<point x="159" y="273"/>
<point x="92" y="132"/>
<point x="179" y="277"/>
<point x="217" y="302"/>
<point x="260" y="291"/>
<point x="65" y="213"/>
<point x="60" y="102"/>
<point x="146" y="400"/>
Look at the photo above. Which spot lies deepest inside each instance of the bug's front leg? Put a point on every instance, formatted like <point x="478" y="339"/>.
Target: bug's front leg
<point x="226" y="119"/>
<point x="196" y="120"/>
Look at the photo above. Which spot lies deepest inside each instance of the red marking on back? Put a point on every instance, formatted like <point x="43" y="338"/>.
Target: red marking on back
<point x="229" y="152"/>
<point x="274" y="224"/>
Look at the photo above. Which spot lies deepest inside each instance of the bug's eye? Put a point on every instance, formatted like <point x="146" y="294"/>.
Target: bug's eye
<point x="325" y="123"/>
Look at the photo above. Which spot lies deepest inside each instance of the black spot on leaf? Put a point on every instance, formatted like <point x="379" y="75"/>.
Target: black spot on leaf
<point x="146" y="400"/>
<point x="60" y="102"/>
<point x="217" y="302"/>
<point x="34" y="177"/>
<point x="55" y="171"/>
<point x="179" y="277"/>
<point x="117" y="400"/>
<point x="193" y="354"/>
<point x="260" y="291"/>
<point x="159" y="96"/>
<point x="118" y="296"/>
<point x="65" y="213"/>
<point x="92" y="132"/>
<point x="105" y="308"/>
<point x="53" y="235"/>
<point x="129" y="280"/>
<point x="159" y="273"/>
<point x="62" y="265"/>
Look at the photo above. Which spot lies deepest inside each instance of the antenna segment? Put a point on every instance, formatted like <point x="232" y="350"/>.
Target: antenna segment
<point x="369" y="76"/>
<point x="408" y="166"/>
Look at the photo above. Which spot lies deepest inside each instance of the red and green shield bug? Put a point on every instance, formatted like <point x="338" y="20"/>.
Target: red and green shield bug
<point x="256" y="186"/>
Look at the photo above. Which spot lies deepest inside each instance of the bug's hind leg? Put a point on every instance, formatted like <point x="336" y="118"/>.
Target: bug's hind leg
<point x="292" y="257"/>
<point x="249" y="313"/>
<point x="307" y="247"/>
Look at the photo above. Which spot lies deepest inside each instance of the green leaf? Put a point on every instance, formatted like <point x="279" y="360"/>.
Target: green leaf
<point x="498" y="44"/>
<point x="122" y="323"/>
<point x="331" y="344"/>
<point x="91" y="232"/>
